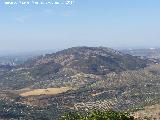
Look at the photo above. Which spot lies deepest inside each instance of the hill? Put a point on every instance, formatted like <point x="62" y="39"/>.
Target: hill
<point x="92" y="60"/>
<point x="93" y="77"/>
<point x="64" y="64"/>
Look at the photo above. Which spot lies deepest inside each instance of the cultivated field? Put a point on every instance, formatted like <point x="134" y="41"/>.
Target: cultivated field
<point x="48" y="91"/>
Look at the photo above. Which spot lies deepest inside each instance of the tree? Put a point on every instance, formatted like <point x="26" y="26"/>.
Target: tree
<point x="97" y="115"/>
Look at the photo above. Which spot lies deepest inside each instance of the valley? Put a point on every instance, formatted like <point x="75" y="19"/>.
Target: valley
<point x="78" y="79"/>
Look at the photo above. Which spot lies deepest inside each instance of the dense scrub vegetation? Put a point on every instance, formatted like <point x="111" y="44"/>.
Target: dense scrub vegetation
<point x="97" y="115"/>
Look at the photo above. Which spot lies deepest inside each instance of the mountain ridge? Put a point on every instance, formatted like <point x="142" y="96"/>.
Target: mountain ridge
<point x="78" y="79"/>
<point x="60" y="66"/>
<point x="91" y="57"/>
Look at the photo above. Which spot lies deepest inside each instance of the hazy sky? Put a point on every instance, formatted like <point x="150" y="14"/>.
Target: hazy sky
<point x="110" y="23"/>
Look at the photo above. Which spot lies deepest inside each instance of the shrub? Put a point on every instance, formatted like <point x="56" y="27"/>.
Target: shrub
<point x="97" y="115"/>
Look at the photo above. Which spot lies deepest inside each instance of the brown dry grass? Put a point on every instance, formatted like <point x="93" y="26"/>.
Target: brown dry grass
<point x="152" y="112"/>
<point x="48" y="91"/>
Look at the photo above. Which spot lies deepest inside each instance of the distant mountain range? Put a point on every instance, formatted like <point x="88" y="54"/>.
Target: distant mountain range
<point x="148" y="53"/>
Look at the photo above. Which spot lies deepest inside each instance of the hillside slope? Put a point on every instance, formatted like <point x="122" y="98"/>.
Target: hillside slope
<point x="61" y="66"/>
<point x="79" y="78"/>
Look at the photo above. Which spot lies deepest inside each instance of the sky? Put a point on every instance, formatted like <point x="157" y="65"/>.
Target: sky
<point x="108" y="23"/>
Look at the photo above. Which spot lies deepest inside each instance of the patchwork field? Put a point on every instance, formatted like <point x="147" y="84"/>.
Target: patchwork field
<point x="48" y="91"/>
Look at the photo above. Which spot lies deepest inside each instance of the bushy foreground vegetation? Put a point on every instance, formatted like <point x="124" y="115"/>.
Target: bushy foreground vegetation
<point x="97" y="115"/>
